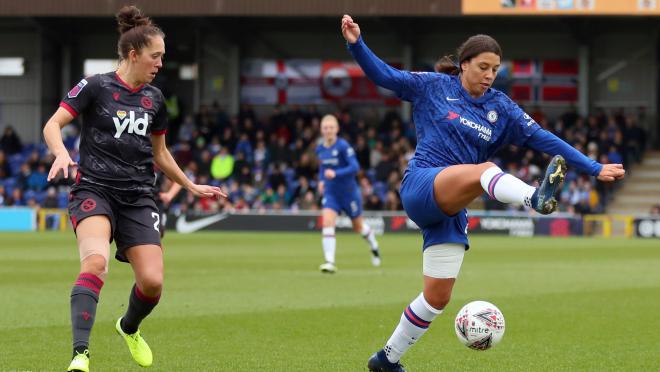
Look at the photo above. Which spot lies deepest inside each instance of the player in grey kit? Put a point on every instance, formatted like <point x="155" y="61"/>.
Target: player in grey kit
<point x="123" y="136"/>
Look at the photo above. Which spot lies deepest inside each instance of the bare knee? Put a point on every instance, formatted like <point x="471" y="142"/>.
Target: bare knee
<point x="437" y="292"/>
<point x="437" y="299"/>
<point x="151" y="284"/>
<point x="94" y="264"/>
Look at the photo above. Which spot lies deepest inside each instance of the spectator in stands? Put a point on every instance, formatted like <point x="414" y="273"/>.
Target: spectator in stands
<point x="23" y="175"/>
<point x="308" y="202"/>
<point x="187" y="130"/>
<point x="279" y="149"/>
<point x="306" y="167"/>
<point x="362" y="152"/>
<point x="302" y="189"/>
<point x="261" y="156"/>
<point x="276" y="177"/>
<point x="244" y="147"/>
<point x="222" y="164"/>
<point x="655" y="210"/>
<point x="282" y="196"/>
<point x="37" y="179"/>
<point x="5" y="169"/>
<point x="373" y="203"/>
<point x="385" y="167"/>
<point x="392" y="201"/>
<point x="16" y="198"/>
<point x="10" y="143"/>
<point x="635" y="139"/>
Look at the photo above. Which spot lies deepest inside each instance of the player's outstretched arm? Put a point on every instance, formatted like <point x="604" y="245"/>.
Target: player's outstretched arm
<point x="378" y="71"/>
<point x="53" y="137"/>
<point x="168" y="165"/>
<point x="548" y="143"/>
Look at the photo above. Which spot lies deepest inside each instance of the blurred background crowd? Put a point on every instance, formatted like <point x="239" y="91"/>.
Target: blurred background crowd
<point x="267" y="161"/>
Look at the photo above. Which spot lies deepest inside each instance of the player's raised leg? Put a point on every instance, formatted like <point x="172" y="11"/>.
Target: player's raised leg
<point x="456" y="186"/>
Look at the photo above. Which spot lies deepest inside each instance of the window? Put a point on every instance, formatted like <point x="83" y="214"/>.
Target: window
<point x="99" y="66"/>
<point x="12" y="66"/>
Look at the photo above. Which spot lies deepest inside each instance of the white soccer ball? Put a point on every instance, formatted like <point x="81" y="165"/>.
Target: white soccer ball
<point x="479" y="325"/>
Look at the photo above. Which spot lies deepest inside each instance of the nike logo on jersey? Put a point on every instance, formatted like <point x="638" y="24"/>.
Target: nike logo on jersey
<point x="186" y="227"/>
<point x="137" y="126"/>
<point x="453" y="99"/>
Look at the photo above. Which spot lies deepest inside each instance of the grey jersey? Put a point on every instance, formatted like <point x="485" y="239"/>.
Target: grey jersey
<point x="117" y="125"/>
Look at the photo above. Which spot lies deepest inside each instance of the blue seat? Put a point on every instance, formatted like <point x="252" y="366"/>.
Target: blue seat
<point x="62" y="199"/>
<point x="9" y="182"/>
<point x="40" y="196"/>
<point x="42" y="148"/>
<point x="371" y="174"/>
<point x="27" y="149"/>
<point x="29" y="194"/>
<point x="15" y="162"/>
<point x="380" y="189"/>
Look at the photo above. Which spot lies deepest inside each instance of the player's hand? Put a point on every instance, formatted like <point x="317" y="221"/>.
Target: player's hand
<point x="165" y="198"/>
<point x="329" y="174"/>
<point x="349" y="29"/>
<point x="611" y="173"/>
<point x="62" y="162"/>
<point x="206" y="191"/>
<point x="321" y="188"/>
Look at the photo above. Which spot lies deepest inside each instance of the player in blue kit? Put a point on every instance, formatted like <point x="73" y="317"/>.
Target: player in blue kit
<point x="460" y="122"/>
<point x="341" y="192"/>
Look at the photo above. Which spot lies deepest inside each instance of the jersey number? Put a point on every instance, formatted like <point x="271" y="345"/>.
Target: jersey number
<point x="157" y="217"/>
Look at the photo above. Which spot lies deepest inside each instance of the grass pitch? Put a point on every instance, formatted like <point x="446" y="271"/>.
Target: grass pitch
<point x="248" y="302"/>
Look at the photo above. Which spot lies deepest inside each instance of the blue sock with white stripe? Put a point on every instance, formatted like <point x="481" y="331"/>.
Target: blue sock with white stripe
<point x="506" y="188"/>
<point x="415" y="320"/>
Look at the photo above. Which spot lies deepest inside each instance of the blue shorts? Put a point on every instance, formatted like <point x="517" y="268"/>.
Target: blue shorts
<point x="418" y="201"/>
<point x="350" y="203"/>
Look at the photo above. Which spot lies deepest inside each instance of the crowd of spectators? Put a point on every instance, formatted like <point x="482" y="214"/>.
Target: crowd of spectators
<point x="268" y="162"/>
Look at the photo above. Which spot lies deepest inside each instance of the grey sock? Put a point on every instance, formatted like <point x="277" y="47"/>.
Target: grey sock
<point x="84" y="298"/>
<point x="139" y="306"/>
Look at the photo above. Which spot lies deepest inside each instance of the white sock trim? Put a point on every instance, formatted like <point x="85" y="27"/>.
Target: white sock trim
<point x="365" y="229"/>
<point x="429" y="307"/>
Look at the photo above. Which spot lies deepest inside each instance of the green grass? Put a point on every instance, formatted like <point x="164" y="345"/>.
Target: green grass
<point x="247" y="302"/>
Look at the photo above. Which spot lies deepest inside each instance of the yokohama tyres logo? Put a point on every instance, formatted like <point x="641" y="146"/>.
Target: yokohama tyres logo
<point x="483" y="131"/>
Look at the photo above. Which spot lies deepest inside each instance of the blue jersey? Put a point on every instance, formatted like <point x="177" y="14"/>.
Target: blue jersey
<point x="339" y="157"/>
<point x="456" y="128"/>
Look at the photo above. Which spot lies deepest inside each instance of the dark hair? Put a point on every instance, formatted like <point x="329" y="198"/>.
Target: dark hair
<point x="472" y="47"/>
<point x="135" y="29"/>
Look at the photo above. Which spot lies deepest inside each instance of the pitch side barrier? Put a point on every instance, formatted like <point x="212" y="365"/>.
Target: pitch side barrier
<point x="500" y="223"/>
<point x="647" y="227"/>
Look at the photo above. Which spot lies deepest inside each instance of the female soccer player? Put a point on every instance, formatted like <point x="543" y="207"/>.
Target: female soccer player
<point x="341" y="192"/>
<point x="460" y="121"/>
<point x="124" y="122"/>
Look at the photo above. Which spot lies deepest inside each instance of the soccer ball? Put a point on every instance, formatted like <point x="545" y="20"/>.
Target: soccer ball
<point x="479" y="325"/>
